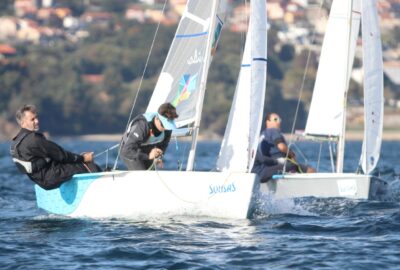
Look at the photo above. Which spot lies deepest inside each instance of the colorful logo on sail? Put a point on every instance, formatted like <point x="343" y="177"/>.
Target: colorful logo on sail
<point x="187" y="86"/>
<point x="217" y="34"/>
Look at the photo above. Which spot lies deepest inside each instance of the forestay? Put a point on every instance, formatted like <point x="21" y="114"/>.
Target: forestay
<point x="180" y="79"/>
<point x="328" y="102"/>
<point x="373" y="86"/>
<point x="243" y="128"/>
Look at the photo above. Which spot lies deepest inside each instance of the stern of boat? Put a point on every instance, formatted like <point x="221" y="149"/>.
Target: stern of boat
<point x="324" y="185"/>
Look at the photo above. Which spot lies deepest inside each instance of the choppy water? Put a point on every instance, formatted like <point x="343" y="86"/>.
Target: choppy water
<point x="290" y="234"/>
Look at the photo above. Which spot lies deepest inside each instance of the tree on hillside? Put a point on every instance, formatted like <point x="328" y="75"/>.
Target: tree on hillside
<point x="287" y="53"/>
<point x="294" y="76"/>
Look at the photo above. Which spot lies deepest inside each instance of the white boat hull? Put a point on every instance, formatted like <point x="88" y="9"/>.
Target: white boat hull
<point x="137" y="194"/>
<point x="324" y="185"/>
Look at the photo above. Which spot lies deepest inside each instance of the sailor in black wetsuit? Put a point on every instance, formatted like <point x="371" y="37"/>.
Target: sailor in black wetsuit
<point x="46" y="163"/>
<point x="147" y="138"/>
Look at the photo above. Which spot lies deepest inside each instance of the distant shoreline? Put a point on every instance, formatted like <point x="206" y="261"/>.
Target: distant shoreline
<point x="391" y="135"/>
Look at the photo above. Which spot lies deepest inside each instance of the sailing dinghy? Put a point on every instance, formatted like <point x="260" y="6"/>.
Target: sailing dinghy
<point x="327" y="115"/>
<point x="225" y="193"/>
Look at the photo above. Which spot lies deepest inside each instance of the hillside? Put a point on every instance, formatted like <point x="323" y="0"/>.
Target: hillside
<point x="88" y="86"/>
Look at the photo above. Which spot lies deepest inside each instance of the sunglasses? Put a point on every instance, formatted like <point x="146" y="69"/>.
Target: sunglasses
<point x="276" y="119"/>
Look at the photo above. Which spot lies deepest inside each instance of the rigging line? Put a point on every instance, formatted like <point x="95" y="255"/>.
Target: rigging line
<point x="302" y="85"/>
<point x="108" y="149"/>
<point x="300" y="152"/>
<point x="331" y="153"/>
<point x="140" y="83"/>
<point x="319" y="155"/>
<point x="179" y="160"/>
<point x="106" y="152"/>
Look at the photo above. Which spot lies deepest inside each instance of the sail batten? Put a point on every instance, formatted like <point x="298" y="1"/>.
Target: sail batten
<point x="192" y="35"/>
<point x="180" y="80"/>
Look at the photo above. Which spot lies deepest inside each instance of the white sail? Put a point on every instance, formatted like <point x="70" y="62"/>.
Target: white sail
<point x="327" y="107"/>
<point x="243" y="128"/>
<point x="373" y="86"/>
<point x="216" y="194"/>
<point x="180" y="79"/>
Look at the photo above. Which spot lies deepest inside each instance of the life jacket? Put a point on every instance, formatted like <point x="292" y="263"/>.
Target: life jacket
<point x="25" y="166"/>
<point x="152" y="140"/>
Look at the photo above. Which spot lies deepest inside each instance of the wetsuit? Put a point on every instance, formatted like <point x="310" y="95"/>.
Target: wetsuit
<point x="137" y="142"/>
<point x="46" y="163"/>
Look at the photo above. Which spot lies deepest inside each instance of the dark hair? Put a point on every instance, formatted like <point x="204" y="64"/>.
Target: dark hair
<point x="269" y="116"/>
<point x="168" y="110"/>
<point x="21" y="112"/>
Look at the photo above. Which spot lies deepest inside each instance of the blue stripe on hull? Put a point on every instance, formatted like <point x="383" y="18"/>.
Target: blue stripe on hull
<point x="65" y="199"/>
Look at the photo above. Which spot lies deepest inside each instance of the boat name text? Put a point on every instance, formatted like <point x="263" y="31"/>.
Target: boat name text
<point x="196" y="58"/>
<point x="214" y="189"/>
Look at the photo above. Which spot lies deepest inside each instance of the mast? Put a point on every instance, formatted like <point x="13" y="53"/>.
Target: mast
<point x="241" y="136"/>
<point x="199" y="106"/>
<point x="346" y="81"/>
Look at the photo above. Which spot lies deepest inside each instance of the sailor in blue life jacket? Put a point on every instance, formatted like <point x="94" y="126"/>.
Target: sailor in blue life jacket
<point x="46" y="163"/>
<point x="273" y="152"/>
<point x="147" y="137"/>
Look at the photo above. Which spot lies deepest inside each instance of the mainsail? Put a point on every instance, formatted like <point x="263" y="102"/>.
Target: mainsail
<point x="180" y="79"/>
<point x="327" y="107"/>
<point x="244" y="123"/>
<point x="373" y="86"/>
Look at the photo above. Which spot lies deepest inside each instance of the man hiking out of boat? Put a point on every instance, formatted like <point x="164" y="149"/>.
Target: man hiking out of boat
<point x="273" y="152"/>
<point x="45" y="162"/>
<point x="147" y="138"/>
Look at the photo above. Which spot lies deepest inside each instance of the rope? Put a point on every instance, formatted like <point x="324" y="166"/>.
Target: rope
<point x="154" y="167"/>
<point x="302" y="84"/>
<point x="140" y="83"/>
<point x="301" y="152"/>
<point x="296" y="164"/>
<point x="179" y="197"/>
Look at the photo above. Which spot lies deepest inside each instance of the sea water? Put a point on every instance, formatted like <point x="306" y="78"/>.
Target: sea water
<point x="288" y="234"/>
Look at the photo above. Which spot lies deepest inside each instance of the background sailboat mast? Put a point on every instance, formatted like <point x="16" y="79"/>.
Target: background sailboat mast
<point x="199" y="106"/>
<point x="346" y="81"/>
